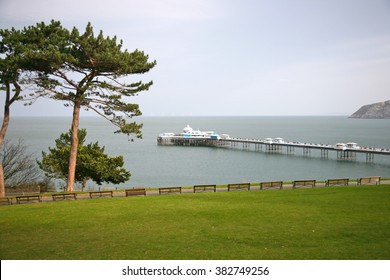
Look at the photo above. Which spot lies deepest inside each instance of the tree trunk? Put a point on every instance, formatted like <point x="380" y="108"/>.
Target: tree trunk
<point x="3" y="131"/>
<point x="73" y="146"/>
<point x="2" y="185"/>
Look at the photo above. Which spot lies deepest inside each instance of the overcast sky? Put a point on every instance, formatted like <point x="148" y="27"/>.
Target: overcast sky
<point x="243" y="57"/>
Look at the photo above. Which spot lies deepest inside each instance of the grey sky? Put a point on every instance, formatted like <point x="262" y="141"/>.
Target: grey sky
<point x="243" y="57"/>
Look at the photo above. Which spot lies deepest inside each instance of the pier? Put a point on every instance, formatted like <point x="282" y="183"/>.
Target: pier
<point x="347" y="151"/>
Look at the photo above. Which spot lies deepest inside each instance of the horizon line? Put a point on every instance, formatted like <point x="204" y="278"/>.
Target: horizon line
<point x="174" y="116"/>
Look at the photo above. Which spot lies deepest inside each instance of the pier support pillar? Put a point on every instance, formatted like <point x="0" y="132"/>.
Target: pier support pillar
<point x="290" y="150"/>
<point x="273" y="148"/>
<point x="369" y="157"/>
<point x="324" y="153"/>
<point x="346" y="155"/>
<point x="306" y="151"/>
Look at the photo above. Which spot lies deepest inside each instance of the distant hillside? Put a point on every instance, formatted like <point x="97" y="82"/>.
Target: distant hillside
<point x="380" y="110"/>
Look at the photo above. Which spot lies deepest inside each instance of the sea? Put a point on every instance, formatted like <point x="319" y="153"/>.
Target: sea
<point x="152" y="165"/>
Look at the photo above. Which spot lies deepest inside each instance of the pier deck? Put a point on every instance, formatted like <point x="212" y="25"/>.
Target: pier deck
<point x="246" y="144"/>
<point x="309" y="146"/>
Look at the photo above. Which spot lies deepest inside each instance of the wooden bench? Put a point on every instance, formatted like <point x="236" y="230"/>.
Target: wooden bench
<point x="100" y="194"/>
<point x="28" y="198"/>
<point x="369" y="180"/>
<point x="169" y="190"/>
<point x="136" y="191"/>
<point x="336" y="182"/>
<point x="205" y="188"/>
<point x="63" y="196"/>
<point x="303" y="183"/>
<point x="8" y="200"/>
<point x="239" y="186"/>
<point x="273" y="184"/>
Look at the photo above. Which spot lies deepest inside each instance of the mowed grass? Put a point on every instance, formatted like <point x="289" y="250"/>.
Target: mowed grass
<point x="320" y="223"/>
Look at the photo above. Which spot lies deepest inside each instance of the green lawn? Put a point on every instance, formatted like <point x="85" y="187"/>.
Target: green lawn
<point x="320" y="223"/>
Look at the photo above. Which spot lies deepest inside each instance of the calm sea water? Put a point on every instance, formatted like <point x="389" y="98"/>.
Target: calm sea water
<point x="155" y="166"/>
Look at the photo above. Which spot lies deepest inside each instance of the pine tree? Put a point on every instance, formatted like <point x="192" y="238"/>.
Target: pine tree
<point x="92" y="162"/>
<point x="85" y="71"/>
<point x="10" y="57"/>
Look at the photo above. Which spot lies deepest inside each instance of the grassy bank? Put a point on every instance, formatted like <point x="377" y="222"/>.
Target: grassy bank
<point x="320" y="223"/>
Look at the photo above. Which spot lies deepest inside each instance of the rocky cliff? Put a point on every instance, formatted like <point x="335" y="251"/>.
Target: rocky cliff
<point x="380" y="110"/>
